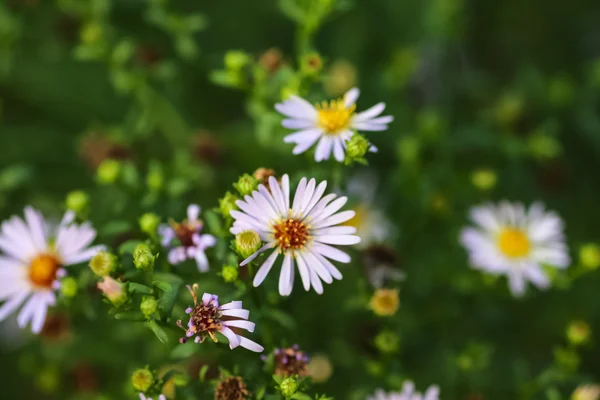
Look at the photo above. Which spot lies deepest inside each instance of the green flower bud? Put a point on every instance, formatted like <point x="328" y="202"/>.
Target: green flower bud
<point x="142" y="379"/>
<point x="247" y="243"/>
<point x="357" y="147"/>
<point x="387" y="342"/>
<point x="409" y="150"/>
<point x="288" y="387"/>
<point x="103" y="263"/>
<point x="578" y="332"/>
<point x="311" y="64"/>
<point x="143" y="258"/>
<point x="68" y="287"/>
<point x="589" y="256"/>
<point x="236" y="60"/>
<point x="113" y="290"/>
<point x="155" y="178"/>
<point x="227" y="204"/>
<point x="108" y="171"/>
<point x="246" y="184"/>
<point x="230" y="273"/>
<point x="91" y="33"/>
<point x="149" y="223"/>
<point x="484" y="179"/>
<point x="77" y="201"/>
<point x="148" y="306"/>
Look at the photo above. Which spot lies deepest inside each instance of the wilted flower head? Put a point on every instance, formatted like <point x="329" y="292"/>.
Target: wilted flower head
<point x="385" y="302"/>
<point x="302" y="232"/>
<point x="103" y="263"/>
<point x="510" y="240"/>
<point x="291" y="361"/>
<point x="331" y="124"/>
<point x="408" y="393"/>
<point x="206" y="319"/>
<point x="33" y="260"/>
<point x="231" y="388"/>
<point x="113" y="290"/>
<point x="191" y="244"/>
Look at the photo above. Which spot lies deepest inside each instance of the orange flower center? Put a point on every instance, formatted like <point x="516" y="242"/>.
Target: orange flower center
<point x="43" y="269"/>
<point x="513" y="243"/>
<point x="291" y="234"/>
<point x="334" y="117"/>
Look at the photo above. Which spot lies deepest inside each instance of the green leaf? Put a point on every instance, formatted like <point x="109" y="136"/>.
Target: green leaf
<point x="167" y="300"/>
<point x="301" y="396"/>
<point x="282" y="318"/>
<point x="114" y="228"/>
<point x="128" y="247"/>
<point x="203" y="372"/>
<point x="14" y="176"/>
<point x="130" y="316"/>
<point x="163" y="285"/>
<point x="158" y="331"/>
<point x="138" y="288"/>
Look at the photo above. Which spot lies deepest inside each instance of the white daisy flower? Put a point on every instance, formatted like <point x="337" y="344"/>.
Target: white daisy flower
<point x="408" y="393"/>
<point x="34" y="254"/>
<point x="190" y="243"/>
<point x="303" y="232"/>
<point x="510" y="240"/>
<point x="206" y="319"/>
<point x="331" y="124"/>
<point x="160" y="397"/>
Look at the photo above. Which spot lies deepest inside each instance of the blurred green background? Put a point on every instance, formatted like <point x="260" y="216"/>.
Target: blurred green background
<point x="510" y="88"/>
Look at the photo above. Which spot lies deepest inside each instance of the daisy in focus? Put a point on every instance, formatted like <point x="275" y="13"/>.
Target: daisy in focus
<point x="190" y="243"/>
<point x="408" y="393"/>
<point x="34" y="254"/>
<point x="330" y="124"/>
<point x="509" y="240"/>
<point x="302" y="232"/>
<point x="206" y="319"/>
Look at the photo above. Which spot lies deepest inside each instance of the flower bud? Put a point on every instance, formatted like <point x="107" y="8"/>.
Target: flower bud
<point x="108" y="171"/>
<point x="357" y="147"/>
<point x="288" y="387"/>
<point x="236" y="60"/>
<point x="113" y="290"/>
<point x="387" y="342"/>
<point x="227" y="204"/>
<point x="589" y="256"/>
<point x="91" y="33"/>
<point x="77" y="201"/>
<point x="149" y="223"/>
<point x="385" y="302"/>
<point x="246" y="184"/>
<point x="143" y="258"/>
<point x="103" y="263"/>
<point x="247" y="243"/>
<point x="148" y="306"/>
<point x="484" y="179"/>
<point x="311" y="64"/>
<point x="230" y="273"/>
<point x="155" y="178"/>
<point x="68" y="287"/>
<point x="578" y="332"/>
<point x="409" y="150"/>
<point x="142" y="379"/>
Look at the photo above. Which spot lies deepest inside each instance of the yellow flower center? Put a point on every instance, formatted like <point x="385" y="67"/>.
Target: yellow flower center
<point x="42" y="271"/>
<point x="291" y="234"/>
<point x="334" y="117"/>
<point x="513" y="243"/>
<point x="385" y="302"/>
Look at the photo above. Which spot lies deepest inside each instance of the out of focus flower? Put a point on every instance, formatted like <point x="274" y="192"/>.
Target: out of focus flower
<point x="271" y="60"/>
<point x="381" y="263"/>
<point x="227" y="204"/>
<point x="341" y="77"/>
<point x="207" y="148"/>
<point x="68" y="287"/>
<point x="311" y="63"/>
<point x="331" y="124"/>
<point x="320" y="368"/>
<point x="586" y="392"/>
<point x="103" y="263"/>
<point x="263" y="175"/>
<point x="206" y="319"/>
<point x="230" y="273"/>
<point x="142" y="379"/>
<point x="509" y="108"/>
<point x="291" y="361"/>
<point x="77" y="201"/>
<point x="108" y="171"/>
<point x="149" y="223"/>
<point x="56" y="327"/>
<point x="385" y="302"/>
<point x="484" y="179"/>
<point x="589" y="256"/>
<point x="34" y="256"/>
<point x="113" y="290"/>
<point x="160" y="397"/>
<point x="510" y="240"/>
<point x="231" y="388"/>
<point x="408" y="393"/>
<point x="387" y="342"/>
<point x="578" y="332"/>
<point x="95" y="148"/>
<point x="191" y="244"/>
<point x="288" y="230"/>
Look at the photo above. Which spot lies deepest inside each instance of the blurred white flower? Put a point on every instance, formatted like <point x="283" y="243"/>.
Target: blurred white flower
<point x="34" y="254"/>
<point x="302" y="232"/>
<point x="331" y="124"/>
<point x="191" y="244"/>
<point x="206" y="319"/>
<point x="160" y="397"/>
<point x="408" y="393"/>
<point x="510" y="240"/>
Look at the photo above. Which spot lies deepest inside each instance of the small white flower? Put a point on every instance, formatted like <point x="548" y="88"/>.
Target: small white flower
<point x="510" y="240"/>
<point x="206" y="319"/>
<point x="331" y="124"/>
<point x="191" y="244"/>
<point x="408" y="393"/>
<point x="302" y="232"/>
<point x="160" y="397"/>
<point x="34" y="254"/>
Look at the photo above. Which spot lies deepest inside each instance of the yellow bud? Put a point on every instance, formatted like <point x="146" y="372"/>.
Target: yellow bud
<point x="385" y="302"/>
